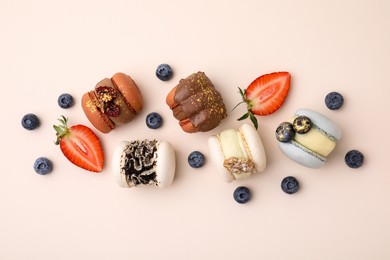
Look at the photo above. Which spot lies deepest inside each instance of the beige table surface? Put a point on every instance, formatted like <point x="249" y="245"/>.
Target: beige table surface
<point x="52" y="47"/>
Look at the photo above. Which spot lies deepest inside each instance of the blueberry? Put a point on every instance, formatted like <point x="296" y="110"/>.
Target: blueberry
<point x="196" y="159"/>
<point x="242" y="194"/>
<point x="302" y="124"/>
<point x="43" y="166"/>
<point x="290" y="185"/>
<point x="334" y="100"/>
<point x="65" y="101"/>
<point x="164" y="72"/>
<point x="285" y="132"/>
<point x="354" y="159"/>
<point x="154" y="120"/>
<point x="30" y="121"/>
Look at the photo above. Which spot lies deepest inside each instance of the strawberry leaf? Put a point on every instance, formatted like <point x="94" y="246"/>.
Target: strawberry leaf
<point x="249" y="105"/>
<point x="61" y="130"/>
<point x="238" y="105"/>
<point x="242" y="92"/>
<point x="245" y="116"/>
<point x="253" y="119"/>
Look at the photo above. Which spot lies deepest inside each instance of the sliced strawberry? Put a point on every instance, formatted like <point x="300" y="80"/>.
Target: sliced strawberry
<point x="80" y="145"/>
<point x="268" y="92"/>
<point x="265" y="95"/>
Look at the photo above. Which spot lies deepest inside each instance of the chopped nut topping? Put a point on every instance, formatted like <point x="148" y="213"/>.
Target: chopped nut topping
<point x="238" y="165"/>
<point x="106" y="96"/>
<point x="105" y="93"/>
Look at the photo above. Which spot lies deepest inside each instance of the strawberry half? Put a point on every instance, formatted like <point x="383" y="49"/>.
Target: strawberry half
<point x="80" y="145"/>
<point x="265" y="95"/>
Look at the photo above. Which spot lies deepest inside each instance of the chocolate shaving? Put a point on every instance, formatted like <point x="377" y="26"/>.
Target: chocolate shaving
<point x="138" y="162"/>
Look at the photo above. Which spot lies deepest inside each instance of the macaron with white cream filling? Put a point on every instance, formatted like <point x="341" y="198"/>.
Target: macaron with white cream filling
<point x="311" y="148"/>
<point x="237" y="153"/>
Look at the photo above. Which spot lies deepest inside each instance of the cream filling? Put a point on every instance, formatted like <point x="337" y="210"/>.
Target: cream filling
<point x="316" y="140"/>
<point x="237" y="158"/>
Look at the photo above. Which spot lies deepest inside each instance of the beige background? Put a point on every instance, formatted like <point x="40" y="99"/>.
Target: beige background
<point x="51" y="47"/>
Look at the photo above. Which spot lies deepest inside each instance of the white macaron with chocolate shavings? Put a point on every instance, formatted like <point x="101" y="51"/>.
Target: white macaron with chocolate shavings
<point x="144" y="162"/>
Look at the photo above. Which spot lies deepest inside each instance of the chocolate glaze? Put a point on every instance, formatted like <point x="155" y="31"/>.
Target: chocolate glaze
<point x="199" y="101"/>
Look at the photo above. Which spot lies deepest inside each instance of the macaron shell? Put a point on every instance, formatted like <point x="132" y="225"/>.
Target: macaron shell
<point x="218" y="158"/>
<point x="129" y="90"/>
<point x="187" y="126"/>
<point x="166" y="164"/>
<point x="170" y="99"/>
<point x="98" y="120"/>
<point x="321" y="121"/>
<point x="116" y="162"/>
<point x="255" y="146"/>
<point x="300" y="156"/>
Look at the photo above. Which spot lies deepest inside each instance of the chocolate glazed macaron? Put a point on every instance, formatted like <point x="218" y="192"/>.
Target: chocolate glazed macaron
<point x="196" y="104"/>
<point x="113" y="102"/>
<point x="308" y="138"/>
<point x="237" y="153"/>
<point x="144" y="162"/>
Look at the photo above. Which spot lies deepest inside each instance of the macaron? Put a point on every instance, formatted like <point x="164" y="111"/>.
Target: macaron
<point x="196" y="104"/>
<point x="237" y="153"/>
<point x="312" y="138"/>
<point x="144" y="162"/>
<point x="113" y="102"/>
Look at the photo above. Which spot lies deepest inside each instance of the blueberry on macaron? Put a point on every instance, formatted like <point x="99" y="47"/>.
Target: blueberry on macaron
<point x="290" y="185"/>
<point x="43" y="166"/>
<point x="196" y="159"/>
<point x="164" y="72"/>
<point x="302" y="124"/>
<point x="242" y="195"/>
<point x="334" y="100"/>
<point x="285" y="132"/>
<point x="154" y="120"/>
<point x="30" y="121"/>
<point x="65" y="101"/>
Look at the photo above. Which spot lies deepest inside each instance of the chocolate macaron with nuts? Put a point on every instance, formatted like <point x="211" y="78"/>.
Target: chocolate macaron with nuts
<point x="113" y="102"/>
